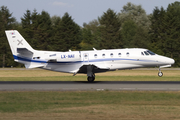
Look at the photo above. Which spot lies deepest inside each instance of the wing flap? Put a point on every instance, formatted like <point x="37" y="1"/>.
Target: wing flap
<point x="34" y="65"/>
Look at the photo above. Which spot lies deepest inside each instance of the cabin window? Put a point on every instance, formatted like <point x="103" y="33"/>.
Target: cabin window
<point x="146" y="53"/>
<point x="111" y="54"/>
<point x="119" y="54"/>
<point x="95" y="55"/>
<point x="127" y="53"/>
<point x="142" y="53"/>
<point x="103" y="55"/>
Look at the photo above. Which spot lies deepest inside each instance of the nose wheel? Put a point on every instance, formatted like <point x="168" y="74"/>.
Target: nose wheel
<point x="160" y="74"/>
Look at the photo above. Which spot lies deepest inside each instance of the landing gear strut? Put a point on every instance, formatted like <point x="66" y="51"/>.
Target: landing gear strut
<point x="160" y="74"/>
<point x="90" y="74"/>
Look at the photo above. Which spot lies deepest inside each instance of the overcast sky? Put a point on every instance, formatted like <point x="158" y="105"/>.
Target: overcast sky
<point x="80" y="10"/>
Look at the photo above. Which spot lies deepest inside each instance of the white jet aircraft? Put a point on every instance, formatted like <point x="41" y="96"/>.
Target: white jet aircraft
<point x="87" y="62"/>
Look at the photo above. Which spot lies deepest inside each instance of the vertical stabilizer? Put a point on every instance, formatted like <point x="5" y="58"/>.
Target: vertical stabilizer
<point x="17" y="42"/>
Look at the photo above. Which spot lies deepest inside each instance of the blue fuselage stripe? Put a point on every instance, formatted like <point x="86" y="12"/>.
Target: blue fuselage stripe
<point x="94" y="60"/>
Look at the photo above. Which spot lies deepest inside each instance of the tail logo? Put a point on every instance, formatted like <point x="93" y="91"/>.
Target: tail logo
<point x="12" y="33"/>
<point x="20" y="42"/>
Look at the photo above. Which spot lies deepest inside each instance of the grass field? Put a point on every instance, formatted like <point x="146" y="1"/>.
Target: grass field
<point x="88" y="105"/>
<point x="96" y="105"/>
<point x="121" y="75"/>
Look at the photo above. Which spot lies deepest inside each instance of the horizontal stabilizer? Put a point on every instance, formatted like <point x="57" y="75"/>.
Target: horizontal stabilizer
<point x="24" y="51"/>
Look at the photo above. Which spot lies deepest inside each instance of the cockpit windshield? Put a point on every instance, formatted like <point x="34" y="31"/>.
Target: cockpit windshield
<point x="150" y="52"/>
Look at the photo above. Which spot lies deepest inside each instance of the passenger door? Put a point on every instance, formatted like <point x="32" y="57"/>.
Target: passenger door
<point x="86" y="57"/>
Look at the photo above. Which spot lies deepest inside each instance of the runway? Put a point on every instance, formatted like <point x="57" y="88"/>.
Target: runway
<point x="85" y="86"/>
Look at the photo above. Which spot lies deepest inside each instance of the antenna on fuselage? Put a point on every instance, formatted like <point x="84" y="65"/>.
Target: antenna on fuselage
<point x="94" y="49"/>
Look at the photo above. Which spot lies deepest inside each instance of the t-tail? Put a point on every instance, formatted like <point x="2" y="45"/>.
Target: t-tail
<point x="21" y="50"/>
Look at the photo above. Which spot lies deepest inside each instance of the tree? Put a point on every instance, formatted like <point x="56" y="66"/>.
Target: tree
<point x="87" y="39"/>
<point x="165" y="31"/>
<point x="109" y="28"/>
<point x="43" y="32"/>
<point x="7" y="22"/>
<point x="90" y="35"/>
<point x="157" y="29"/>
<point x="27" y="31"/>
<point x="128" y="32"/>
<point x="67" y="35"/>
<point x="134" y="36"/>
<point x="136" y="13"/>
<point x="37" y="29"/>
<point x="55" y="20"/>
<point x="171" y="39"/>
<point x="135" y="26"/>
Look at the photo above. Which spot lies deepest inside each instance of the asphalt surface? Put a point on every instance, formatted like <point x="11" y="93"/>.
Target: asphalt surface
<point x="85" y="86"/>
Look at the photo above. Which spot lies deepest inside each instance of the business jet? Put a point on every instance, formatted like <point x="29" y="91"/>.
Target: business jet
<point x="86" y="62"/>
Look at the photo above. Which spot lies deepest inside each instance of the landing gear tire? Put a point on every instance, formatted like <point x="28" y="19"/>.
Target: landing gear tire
<point x="160" y="74"/>
<point x="91" y="79"/>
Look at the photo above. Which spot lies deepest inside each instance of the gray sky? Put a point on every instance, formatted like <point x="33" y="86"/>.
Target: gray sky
<point x="80" y="10"/>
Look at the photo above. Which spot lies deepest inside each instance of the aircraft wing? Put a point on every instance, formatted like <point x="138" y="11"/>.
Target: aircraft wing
<point x="101" y="66"/>
<point x="24" y="51"/>
<point x="96" y="68"/>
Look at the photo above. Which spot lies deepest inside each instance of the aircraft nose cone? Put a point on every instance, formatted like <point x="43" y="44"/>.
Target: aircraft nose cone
<point x="171" y="61"/>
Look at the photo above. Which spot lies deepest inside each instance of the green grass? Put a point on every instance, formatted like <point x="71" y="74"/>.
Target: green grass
<point x="121" y="75"/>
<point x="40" y="101"/>
<point x="97" y="105"/>
<point x="91" y="104"/>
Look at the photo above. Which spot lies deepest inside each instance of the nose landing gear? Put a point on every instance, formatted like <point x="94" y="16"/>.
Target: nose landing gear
<point x="160" y="74"/>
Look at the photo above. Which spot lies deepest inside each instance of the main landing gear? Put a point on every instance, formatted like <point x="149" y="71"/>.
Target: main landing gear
<point x="160" y="74"/>
<point x="90" y="73"/>
<point x="91" y="78"/>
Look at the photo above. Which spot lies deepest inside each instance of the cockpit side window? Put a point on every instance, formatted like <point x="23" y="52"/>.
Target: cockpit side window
<point x="146" y="53"/>
<point x="150" y="52"/>
<point x="142" y="53"/>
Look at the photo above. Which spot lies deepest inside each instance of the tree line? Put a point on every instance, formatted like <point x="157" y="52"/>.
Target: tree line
<point x="129" y="28"/>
